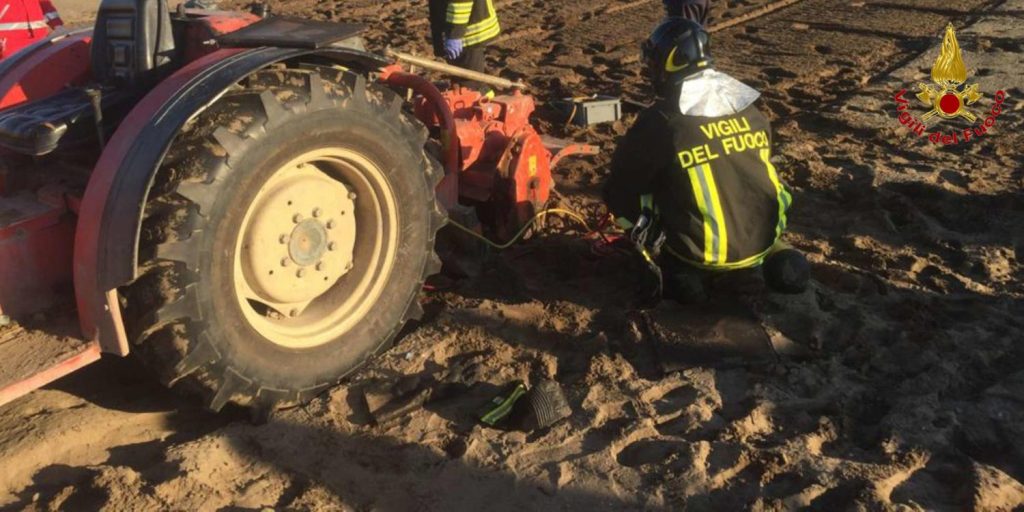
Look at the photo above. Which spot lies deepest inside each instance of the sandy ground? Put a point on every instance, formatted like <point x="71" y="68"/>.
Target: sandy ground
<point x="910" y="397"/>
<point x="77" y="13"/>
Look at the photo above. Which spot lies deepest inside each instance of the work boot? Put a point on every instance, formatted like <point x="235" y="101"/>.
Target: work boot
<point x="683" y="283"/>
<point x="786" y="271"/>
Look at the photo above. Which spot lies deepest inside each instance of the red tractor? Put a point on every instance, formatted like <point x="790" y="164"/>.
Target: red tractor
<point x="247" y="204"/>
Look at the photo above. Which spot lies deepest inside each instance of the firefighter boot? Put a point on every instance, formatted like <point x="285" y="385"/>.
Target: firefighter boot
<point x="787" y="271"/>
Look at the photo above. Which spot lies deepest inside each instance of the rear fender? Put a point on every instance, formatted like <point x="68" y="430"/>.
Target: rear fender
<point x="107" y="238"/>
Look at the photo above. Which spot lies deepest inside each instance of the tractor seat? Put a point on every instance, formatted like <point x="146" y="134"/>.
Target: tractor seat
<point x="132" y="47"/>
<point x="36" y="128"/>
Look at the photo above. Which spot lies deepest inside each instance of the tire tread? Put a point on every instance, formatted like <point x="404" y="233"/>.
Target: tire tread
<point x="168" y="333"/>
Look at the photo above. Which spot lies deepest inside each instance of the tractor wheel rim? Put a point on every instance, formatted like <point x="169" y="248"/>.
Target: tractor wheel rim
<point x="316" y="248"/>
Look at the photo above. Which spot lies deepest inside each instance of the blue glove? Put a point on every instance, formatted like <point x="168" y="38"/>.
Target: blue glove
<point x="452" y="48"/>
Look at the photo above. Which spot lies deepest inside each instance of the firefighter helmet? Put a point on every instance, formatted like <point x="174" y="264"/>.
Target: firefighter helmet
<point x="677" y="48"/>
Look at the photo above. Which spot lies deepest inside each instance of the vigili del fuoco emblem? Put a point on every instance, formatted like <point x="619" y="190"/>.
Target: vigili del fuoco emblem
<point x="949" y="97"/>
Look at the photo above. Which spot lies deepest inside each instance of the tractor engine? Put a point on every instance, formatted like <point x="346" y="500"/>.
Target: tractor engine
<point x="504" y="167"/>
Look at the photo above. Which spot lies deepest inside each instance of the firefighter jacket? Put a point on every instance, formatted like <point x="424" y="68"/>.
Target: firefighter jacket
<point x="473" y="21"/>
<point x="23" y="22"/>
<point x="709" y="182"/>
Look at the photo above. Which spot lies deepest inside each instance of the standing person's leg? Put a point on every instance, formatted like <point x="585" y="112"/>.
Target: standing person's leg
<point x="473" y="58"/>
<point x="437" y="26"/>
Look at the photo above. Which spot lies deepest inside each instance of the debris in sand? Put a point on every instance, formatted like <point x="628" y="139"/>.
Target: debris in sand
<point x="387" y="403"/>
<point x="546" y="406"/>
<point x="590" y="110"/>
<point x="705" y="335"/>
<point x="500" y="407"/>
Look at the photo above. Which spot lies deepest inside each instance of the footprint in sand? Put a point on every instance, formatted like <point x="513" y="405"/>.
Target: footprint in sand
<point x="649" y="451"/>
<point x="774" y="72"/>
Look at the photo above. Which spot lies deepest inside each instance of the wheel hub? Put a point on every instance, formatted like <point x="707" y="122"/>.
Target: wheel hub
<point x="300" y="239"/>
<point x="304" y="273"/>
<point x="308" y="242"/>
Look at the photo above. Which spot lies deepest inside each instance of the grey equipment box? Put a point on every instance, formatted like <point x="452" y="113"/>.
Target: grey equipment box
<point x="593" y="110"/>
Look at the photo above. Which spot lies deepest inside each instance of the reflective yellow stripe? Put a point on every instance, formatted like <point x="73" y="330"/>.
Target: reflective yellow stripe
<point x="479" y="33"/>
<point x="647" y="255"/>
<point x="706" y="192"/>
<point x="482" y="26"/>
<point x="782" y="194"/>
<point x="701" y="197"/>
<point x="723" y="234"/>
<point x="752" y="261"/>
<point x="458" y="13"/>
<point x="484" y="29"/>
<point x="487" y="35"/>
<point x="646" y="202"/>
<point x="458" y="19"/>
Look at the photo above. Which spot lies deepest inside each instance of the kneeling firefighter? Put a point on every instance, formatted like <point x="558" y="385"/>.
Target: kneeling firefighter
<point x="693" y="181"/>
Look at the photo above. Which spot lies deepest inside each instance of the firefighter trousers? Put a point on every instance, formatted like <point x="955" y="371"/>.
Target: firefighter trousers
<point x="688" y="284"/>
<point x="473" y="58"/>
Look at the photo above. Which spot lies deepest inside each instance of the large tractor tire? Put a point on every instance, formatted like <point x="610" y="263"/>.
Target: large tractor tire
<point x="286" y="240"/>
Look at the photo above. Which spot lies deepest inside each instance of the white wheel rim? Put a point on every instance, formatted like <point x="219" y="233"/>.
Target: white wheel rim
<point x="316" y="248"/>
